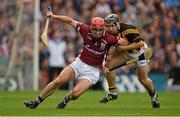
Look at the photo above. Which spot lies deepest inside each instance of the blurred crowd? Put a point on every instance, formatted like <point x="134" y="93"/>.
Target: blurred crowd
<point x="157" y="20"/>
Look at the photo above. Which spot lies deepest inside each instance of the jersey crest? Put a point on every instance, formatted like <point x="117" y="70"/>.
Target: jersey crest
<point x="102" y="46"/>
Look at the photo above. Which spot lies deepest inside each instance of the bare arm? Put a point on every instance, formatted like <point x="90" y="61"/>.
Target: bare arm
<point x="132" y="46"/>
<point x="62" y="18"/>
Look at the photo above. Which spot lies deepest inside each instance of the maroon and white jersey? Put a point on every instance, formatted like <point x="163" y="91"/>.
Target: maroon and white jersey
<point x="94" y="51"/>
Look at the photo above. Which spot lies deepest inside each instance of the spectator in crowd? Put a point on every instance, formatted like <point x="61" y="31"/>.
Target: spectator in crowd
<point x="56" y="55"/>
<point x="43" y="66"/>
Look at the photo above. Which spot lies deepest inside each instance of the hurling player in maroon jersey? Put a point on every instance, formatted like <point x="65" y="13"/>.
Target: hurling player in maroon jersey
<point x="85" y="69"/>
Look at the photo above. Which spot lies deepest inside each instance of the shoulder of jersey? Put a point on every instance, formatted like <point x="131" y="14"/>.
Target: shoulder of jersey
<point x="109" y="37"/>
<point x="85" y="27"/>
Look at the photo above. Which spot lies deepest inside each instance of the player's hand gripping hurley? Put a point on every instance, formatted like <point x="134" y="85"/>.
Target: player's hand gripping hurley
<point x="147" y="55"/>
<point x="44" y="36"/>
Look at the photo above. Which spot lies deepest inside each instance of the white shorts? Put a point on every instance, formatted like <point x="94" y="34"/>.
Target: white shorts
<point x="85" y="71"/>
<point x="137" y="54"/>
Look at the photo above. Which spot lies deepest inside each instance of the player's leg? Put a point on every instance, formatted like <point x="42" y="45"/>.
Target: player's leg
<point x="116" y="59"/>
<point x="81" y="86"/>
<point x="85" y="76"/>
<point x="142" y="73"/>
<point x="66" y="75"/>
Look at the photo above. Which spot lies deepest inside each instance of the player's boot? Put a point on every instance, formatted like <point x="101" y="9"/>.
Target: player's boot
<point x="31" y="104"/>
<point x="108" y="98"/>
<point x="62" y="104"/>
<point x="155" y="101"/>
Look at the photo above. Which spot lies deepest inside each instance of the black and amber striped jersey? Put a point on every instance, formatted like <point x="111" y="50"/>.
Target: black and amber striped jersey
<point x="129" y="32"/>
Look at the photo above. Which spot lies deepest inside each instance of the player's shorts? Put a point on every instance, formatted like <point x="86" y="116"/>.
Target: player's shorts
<point x="85" y="71"/>
<point x="137" y="54"/>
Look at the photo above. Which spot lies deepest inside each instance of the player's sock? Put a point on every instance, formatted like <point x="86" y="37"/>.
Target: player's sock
<point x="66" y="99"/>
<point x="113" y="90"/>
<point x="64" y="102"/>
<point x="152" y="93"/>
<point x="38" y="100"/>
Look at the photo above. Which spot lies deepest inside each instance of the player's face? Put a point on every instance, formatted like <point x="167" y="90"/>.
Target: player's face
<point x="111" y="28"/>
<point x="97" y="32"/>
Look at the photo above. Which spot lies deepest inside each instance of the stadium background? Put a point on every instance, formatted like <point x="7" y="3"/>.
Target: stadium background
<point x="157" y="20"/>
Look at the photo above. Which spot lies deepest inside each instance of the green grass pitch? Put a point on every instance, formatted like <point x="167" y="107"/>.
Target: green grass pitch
<point x="127" y="104"/>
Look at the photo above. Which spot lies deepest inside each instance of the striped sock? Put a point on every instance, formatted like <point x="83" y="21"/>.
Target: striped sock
<point x="113" y="90"/>
<point x="38" y="100"/>
<point x="152" y="93"/>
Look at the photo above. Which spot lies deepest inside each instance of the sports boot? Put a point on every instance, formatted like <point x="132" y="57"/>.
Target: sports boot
<point x="62" y="104"/>
<point x="31" y="104"/>
<point x="108" y="98"/>
<point x="155" y="101"/>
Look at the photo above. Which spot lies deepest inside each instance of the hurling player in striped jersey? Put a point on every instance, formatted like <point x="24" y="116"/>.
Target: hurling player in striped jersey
<point x="132" y="46"/>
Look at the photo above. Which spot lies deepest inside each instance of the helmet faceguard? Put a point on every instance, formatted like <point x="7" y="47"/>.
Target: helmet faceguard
<point x="112" y="20"/>
<point x="97" y="27"/>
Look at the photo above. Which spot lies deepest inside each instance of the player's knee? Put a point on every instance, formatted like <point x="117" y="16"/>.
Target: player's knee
<point x="105" y="73"/>
<point x="111" y="75"/>
<point x="106" y="70"/>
